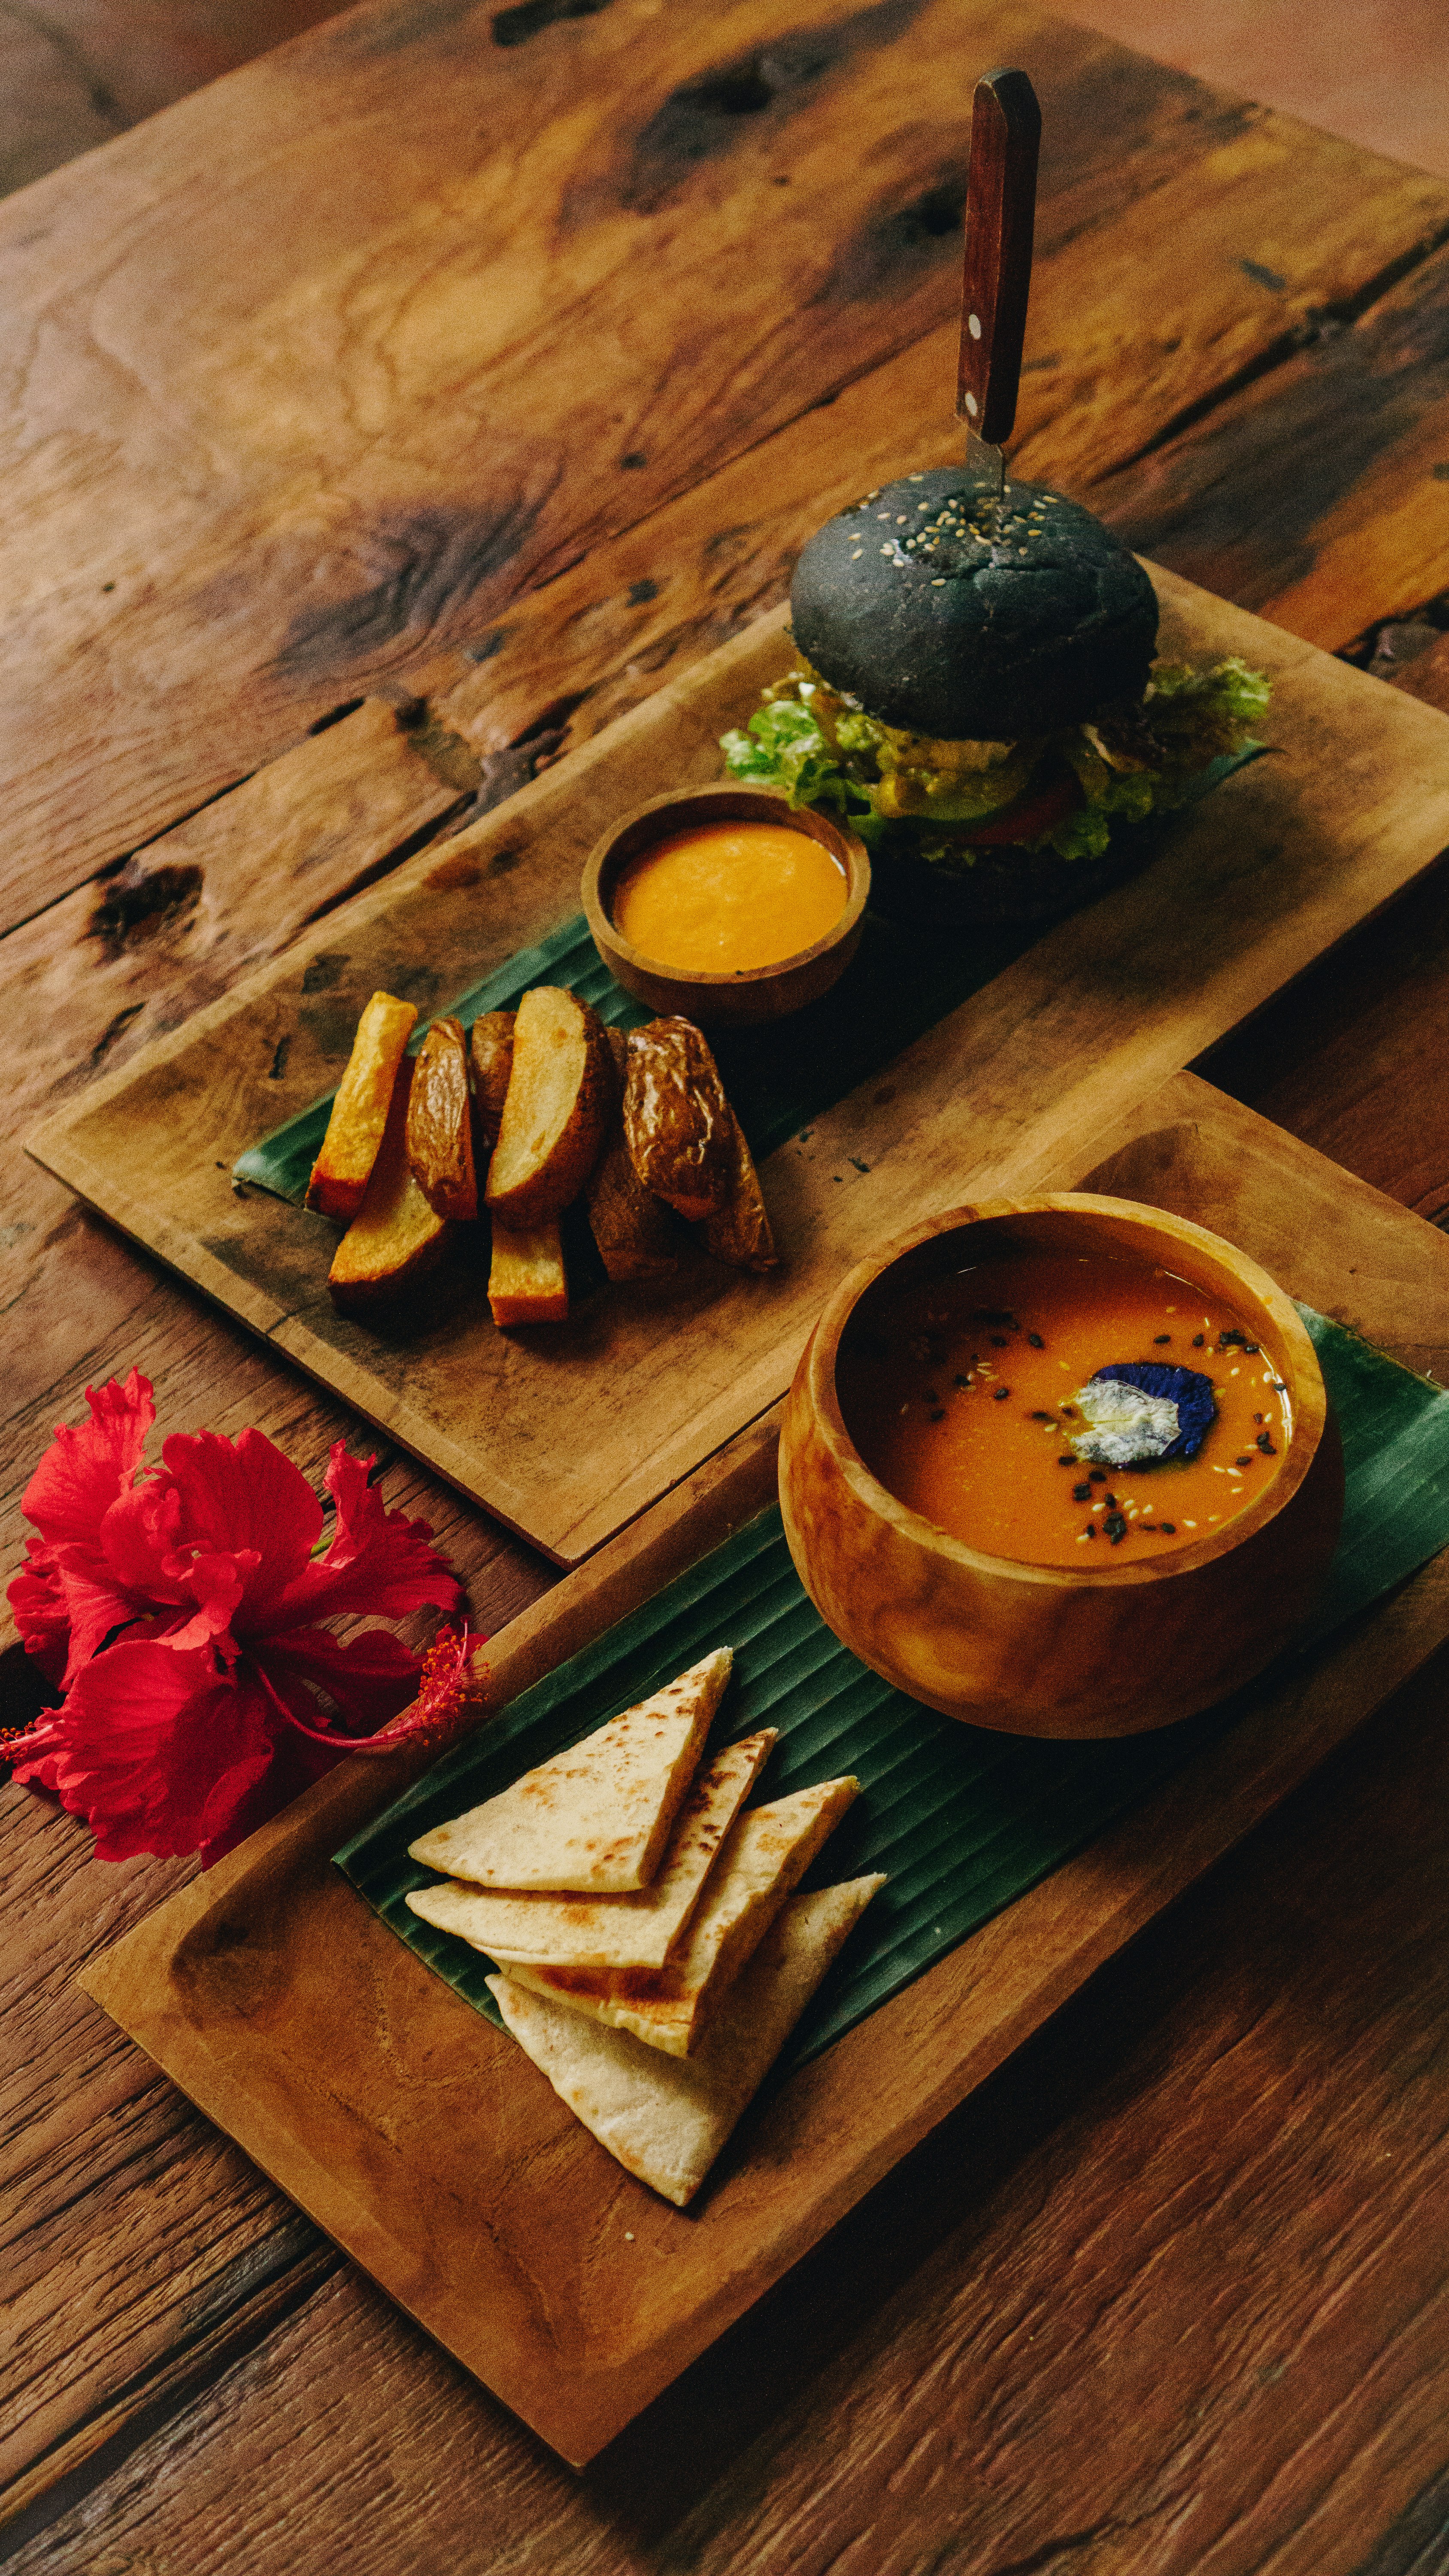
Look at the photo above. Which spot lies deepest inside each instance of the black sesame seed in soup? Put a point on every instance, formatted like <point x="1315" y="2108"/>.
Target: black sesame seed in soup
<point x="1036" y="1341"/>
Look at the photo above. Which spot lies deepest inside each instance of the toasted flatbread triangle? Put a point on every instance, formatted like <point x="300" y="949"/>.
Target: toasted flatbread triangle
<point x="761" y="1864"/>
<point x="666" y="2118"/>
<point x="640" y="1927"/>
<point x="596" y="1818"/>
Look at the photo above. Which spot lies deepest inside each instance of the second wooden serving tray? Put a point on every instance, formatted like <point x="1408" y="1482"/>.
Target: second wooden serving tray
<point x="419" y="2136"/>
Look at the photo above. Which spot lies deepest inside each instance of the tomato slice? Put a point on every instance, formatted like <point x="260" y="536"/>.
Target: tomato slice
<point x="1032" y="814"/>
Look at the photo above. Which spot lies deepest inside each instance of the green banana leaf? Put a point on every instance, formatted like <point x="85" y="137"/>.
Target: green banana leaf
<point x="963" y="1820"/>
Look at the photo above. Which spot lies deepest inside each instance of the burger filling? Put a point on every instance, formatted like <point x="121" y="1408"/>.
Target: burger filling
<point x="1060" y="792"/>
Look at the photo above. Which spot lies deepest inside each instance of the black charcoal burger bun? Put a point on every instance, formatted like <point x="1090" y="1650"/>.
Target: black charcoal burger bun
<point x="904" y="603"/>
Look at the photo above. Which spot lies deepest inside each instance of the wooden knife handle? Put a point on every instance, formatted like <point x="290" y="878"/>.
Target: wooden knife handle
<point x="1000" y="219"/>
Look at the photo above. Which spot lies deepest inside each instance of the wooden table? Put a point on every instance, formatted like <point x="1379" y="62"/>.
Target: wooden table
<point x="377" y="424"/>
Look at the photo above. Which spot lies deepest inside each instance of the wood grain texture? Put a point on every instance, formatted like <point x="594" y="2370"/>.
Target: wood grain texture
<point x="549" y="1436"/>
<point x="1315" y="483"/>
<point x="991" y="2366"/>
<point x="573" y="2317"/>
<point x="295" y="383"/>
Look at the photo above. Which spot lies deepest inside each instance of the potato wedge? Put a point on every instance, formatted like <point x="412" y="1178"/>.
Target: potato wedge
<point x="740" y="1231"/>
<point x="341" y="1172"/>
<point x="526" y="1281"/>
<point x="492" y="1052"/>
<point x="632" y="1228"/>
<point x="396" y="1236"/>
<point x="678" y="1125"/>
<point x="440" y="1123"/>
<point x="556" y="1111"/>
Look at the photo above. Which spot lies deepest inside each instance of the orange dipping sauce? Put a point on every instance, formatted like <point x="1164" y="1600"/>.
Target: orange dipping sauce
<point x="729" y="896"/>
<point x="960" y="1395"/>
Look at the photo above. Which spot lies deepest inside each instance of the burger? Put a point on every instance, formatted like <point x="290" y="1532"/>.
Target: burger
<point x="976" y="694"/>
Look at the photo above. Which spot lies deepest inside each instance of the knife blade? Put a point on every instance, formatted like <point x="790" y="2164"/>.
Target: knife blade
<point x="996" y="283"/>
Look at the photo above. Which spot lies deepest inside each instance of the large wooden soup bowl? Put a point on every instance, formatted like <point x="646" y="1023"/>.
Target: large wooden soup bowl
<point x="1107" y="1649"/>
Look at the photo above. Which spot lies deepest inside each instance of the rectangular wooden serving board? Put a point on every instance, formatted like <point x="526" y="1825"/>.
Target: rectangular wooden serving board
<point x="418" y="2136"/>
<point x="568" y="1432"/>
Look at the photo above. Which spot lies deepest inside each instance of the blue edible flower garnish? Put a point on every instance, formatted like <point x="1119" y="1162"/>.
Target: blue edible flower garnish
<point x="1140" y="1412"/>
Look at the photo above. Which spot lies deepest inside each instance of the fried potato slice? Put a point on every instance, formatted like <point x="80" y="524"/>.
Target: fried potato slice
<point x="527" y="1283"/>
<point x="631" y="1227"/>
<point x="556" y="1110"/>
<point x="491" y="1048"/>
<point x="359" y="1110"/>
<point x="678" y="1125"/>
<point x="740" y="1231"/>
<point x="440" y="1123"/>
<point x="396" y="1236"/>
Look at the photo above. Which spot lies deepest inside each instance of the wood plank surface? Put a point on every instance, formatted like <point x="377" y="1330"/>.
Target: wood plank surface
<point x="284" y="422"/>
<point x="421" y="2122"/>
<point x="992" y="2366"/>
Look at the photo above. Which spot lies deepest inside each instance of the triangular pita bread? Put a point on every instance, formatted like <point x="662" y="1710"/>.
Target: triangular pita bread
<point x="596" y="1818"/>
<point x="637" y="1929"/>
<point x="762" y="1863"/>
<point x="666" y="2118"/>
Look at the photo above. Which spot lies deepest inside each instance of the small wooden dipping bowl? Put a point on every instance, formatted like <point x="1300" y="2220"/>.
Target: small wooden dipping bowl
<point x="753" y="993"/>
<point x="1105" y="1649"/>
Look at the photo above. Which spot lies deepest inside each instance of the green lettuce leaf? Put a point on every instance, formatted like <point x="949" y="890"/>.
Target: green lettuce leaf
<point x="1133" y="761"/>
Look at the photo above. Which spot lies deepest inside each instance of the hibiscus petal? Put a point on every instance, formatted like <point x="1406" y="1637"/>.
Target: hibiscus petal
<point x="216" y="1584"/>
<point x="138" y="1538"/>
<point x="85" y="1471"/>
<point x="379" y="1561"/>
<point x="156" y="1750"/>
<point x="38" y="1602"/>
<point x="370" y="1677"/>
<point x="88" y="1464"/>
<point x="243" y="1499"/>
<point x="95" y="1603"/>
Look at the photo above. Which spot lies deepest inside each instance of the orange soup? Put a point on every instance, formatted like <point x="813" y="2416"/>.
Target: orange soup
<point x="1002" y="1401"/>
<point x="728" y="896"/>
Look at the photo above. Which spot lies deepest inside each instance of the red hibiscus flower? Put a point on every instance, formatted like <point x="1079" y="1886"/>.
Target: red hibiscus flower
<point x="179" y="1608"/>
